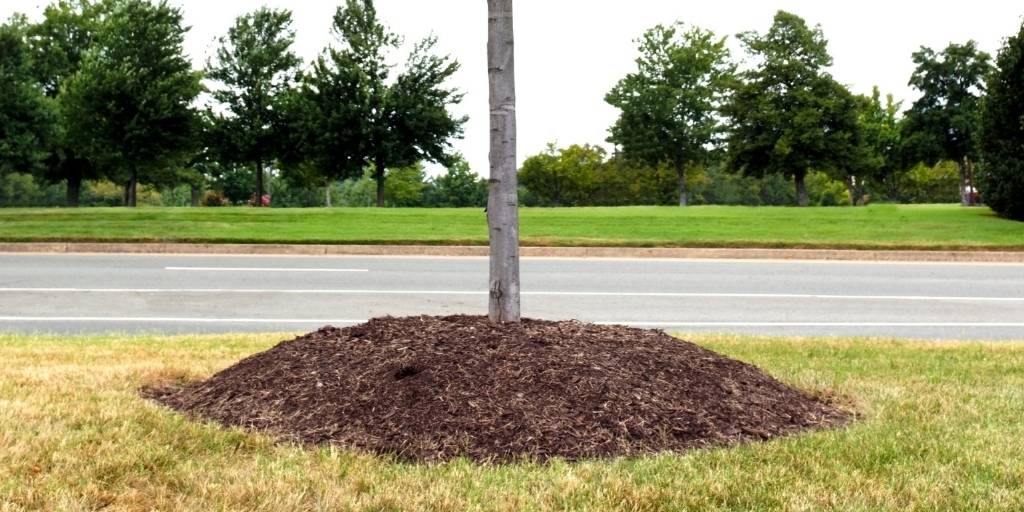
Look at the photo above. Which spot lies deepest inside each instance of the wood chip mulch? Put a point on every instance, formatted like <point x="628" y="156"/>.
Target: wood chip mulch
<point x="437" y="388"/>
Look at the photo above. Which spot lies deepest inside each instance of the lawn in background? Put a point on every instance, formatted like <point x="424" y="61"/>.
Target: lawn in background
<point x="940" y="429"/>
<point x="878" y="226"/>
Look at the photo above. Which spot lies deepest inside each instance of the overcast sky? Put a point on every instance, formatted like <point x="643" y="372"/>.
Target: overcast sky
<point x="571" y="52"/>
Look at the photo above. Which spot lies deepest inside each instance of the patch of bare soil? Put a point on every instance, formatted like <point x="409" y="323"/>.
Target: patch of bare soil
<point x="437" y="388"/>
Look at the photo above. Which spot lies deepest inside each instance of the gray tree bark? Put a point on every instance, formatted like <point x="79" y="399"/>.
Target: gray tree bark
<point x="132" y="199"/>
<point x="802" y="199"/>
<point x="378" y="175"/>
<point x="965" y="196"/>
<point x="259" y="182"/>
<point x="503" y="199"/>
<point x="681" y="175"/>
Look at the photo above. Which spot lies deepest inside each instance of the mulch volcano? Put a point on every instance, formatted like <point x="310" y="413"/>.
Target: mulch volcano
<point x="436" y="388"/>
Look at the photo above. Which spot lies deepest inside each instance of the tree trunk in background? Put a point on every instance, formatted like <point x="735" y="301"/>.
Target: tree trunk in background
<point x="681" y="175"/>
<point x="327" y="194"/>
<point x="503" y="199"/>
<point x="259" y="183"/>
<point x="133" y="189"/>
<point x="74" y="189"/>
<point x="965" y="195"/>
<point x="855" y="187"/>
<point x="802" y="199"/>
<point x="378" y="175"/>
<point x="971" y="188"/>
<point x="197" y="194"/>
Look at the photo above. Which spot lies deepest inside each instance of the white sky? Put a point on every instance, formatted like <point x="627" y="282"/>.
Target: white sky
<point x="571" y="52"/>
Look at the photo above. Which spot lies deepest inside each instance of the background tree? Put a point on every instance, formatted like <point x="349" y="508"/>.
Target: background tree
<point x="26" y="118"/>
<point x="355" y="110"/>
<point x="1002" y="140"/>
<point x="458" y="187"/>
<point x="254" y="69"/>
<point x="503" y="198"/>
<point x="874" y="153"/>
<point x="789" y="115"/>
<point x="669" y="106"/>
<point x="130" y="104"/>
<point x="563" y="177"/>
<point x="943" y="123"/>
<point x="59" y="42"/>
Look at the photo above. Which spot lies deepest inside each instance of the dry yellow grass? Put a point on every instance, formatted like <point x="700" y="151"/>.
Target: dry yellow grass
<point x="941" y="429"/>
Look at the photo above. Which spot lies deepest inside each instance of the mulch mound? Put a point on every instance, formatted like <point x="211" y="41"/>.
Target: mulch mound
<point x="432" y="389"/>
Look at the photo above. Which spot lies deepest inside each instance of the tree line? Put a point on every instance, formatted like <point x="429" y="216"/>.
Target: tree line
<point x="689" y="106"/>
<point x="101" y="91"/>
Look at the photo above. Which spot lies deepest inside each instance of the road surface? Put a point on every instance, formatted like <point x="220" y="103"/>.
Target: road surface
<point x="193" y="294"/>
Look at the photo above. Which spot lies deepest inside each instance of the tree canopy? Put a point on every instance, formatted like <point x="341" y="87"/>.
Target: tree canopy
<point x="943" y="123"/>
<point x="669" y="105"/>
<point x="353" y="113"/>
<point x="789" y="116"/>
<point x="130" y="105"/>
<point x="253" y="72"/>
<point x="26" y="118"/>
<point x="1002" y="140"/>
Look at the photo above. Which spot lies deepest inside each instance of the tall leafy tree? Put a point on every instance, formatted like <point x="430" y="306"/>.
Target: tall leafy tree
<point x="254" y="70"/>
<point x="129" y="107"/>
<point x="669" y="105"/>
<point x="789" y="116"/>
<point x="874" y="152"/>
<point x="354" y="113"/>
<point x="943" y="124"/>
<point x="59" y="42"/>
<point x="26" y="118"/>
<point x="1002" y="140"/>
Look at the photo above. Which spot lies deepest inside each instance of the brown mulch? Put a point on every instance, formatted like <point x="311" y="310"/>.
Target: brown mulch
<point x="437" y="388"/>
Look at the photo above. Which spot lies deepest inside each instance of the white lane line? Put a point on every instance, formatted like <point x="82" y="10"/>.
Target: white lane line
<point x="682" y="295"/>
<point x="819" y="324"/>
<point x="192" y="320"/>
<point x="174" y="320"/>
<point x="264" y="269"/>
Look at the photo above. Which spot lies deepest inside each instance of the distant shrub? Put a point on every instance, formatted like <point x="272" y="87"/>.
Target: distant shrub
<point x="214" y="198"/>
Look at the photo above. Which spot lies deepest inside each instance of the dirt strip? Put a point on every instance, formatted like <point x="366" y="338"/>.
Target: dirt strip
<point x="526" y="252"/>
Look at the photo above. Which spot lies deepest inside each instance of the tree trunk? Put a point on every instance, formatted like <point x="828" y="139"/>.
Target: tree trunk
<point x="378" y="175"/>
<point x="503" y="199"/>
<point x="133" y="189"/>
<point x="681" y="175"/>
<point x="196" y="195"/>
<point x="259" y="183"/>
<point x="327" y="194"/>
<point x="856" y="190"/>
<point x="74" y="189"/>
<point x="965" y="194"/>
<point x="972" y="190"/>
<point x="802" y="199"/>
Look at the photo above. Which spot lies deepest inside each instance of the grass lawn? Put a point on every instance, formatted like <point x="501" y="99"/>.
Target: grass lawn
<point x="879" y="226"/>
<point x="941" y="429"/>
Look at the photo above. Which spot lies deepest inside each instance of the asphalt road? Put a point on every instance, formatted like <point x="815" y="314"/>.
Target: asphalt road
<point x="192" y="294"/>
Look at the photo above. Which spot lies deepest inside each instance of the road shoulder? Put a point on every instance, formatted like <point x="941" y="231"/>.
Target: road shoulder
<point x="943" y="256"/>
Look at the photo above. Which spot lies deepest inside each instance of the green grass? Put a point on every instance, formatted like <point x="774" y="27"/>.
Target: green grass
<point x="940" y="429"/>
<point x="880" y="226"/>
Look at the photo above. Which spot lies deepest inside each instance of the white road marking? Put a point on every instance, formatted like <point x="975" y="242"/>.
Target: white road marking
<point x="175" y="320"/>
<point x="819" y="324"/>
<point x="683" y="295"/>
<point x="265" y="269"/>
<point x="95" y="319"/>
